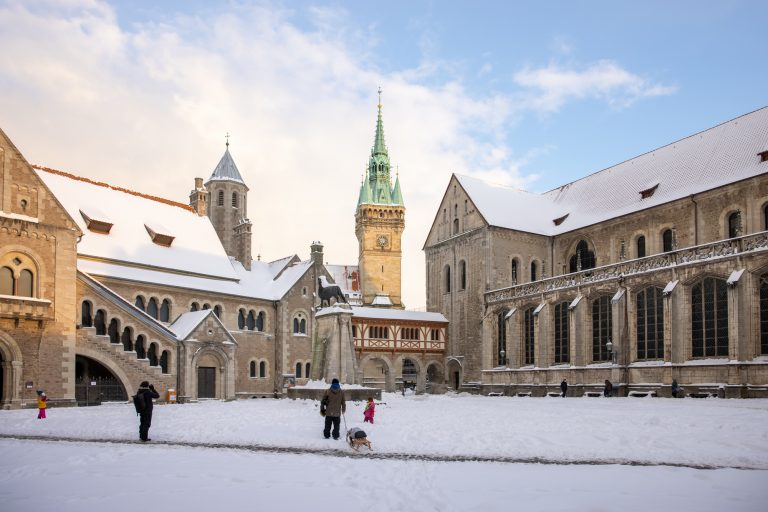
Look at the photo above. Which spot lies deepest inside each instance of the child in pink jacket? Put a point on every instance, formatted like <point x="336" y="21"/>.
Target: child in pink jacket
<point x="370" y="409"/>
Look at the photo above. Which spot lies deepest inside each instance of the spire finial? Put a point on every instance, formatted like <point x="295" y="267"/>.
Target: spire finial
<point x="379" y="98"/>
<point x="227" y="137"/>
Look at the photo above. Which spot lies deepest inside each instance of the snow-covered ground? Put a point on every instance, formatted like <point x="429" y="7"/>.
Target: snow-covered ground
<point x="588" y="448"/>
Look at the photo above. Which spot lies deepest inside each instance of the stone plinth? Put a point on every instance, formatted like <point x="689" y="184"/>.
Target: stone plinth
<point x="334" y="350"/>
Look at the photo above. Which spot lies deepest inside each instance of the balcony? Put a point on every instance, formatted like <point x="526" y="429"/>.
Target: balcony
<point x="25" y="308"/>
<point x="678" y="258"/>
<point x="387" y="345"/>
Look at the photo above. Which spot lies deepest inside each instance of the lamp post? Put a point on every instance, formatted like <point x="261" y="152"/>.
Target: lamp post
<point x="609" y="346"/>
<point x="502" y="357"/>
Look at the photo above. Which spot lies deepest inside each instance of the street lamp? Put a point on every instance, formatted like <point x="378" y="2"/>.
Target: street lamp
<point x="502" y="357"/>
<point x="609" y="346"/>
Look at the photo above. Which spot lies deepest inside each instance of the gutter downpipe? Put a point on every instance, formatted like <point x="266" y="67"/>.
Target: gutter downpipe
<point x="695" y="220"/>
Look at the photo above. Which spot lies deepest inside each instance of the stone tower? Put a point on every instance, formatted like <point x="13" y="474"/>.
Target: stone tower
<point x="227" y="207"/>
<point x="379" y="225"/>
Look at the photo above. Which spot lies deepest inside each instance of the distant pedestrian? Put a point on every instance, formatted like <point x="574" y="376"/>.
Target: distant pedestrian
<point x="42" y="404"/>
<point x="144" y="405"/>
<point x="608" y="389"/>
<point x="336" y="406"/>
<point x="675" y="388"/>
<point x="370" y="409"/>
<point x="564" y="387"/>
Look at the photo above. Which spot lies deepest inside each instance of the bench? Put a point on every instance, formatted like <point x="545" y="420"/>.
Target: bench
<point x="495" y="393"/>
<point x="555" y="393"/>
<point x="522" y="394"/>
<point x="642" y="394"/>
<point x="702" y="395"/>
<point x="593" y="394"/>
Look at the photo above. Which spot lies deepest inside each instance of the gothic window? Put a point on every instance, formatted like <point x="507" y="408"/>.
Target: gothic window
<point x="462" y="275"/>
<point x="650" y="323"/>
<point x="447" y="278"/>
<point x="252" y="369"/>
<point x="152" y="308"/>
<point x="7" y="281"/>
<point x="100" y="323"/>
<point x="641" y="247"/>
<point x="127" y="339"/>
<point x="466" y="206"/>
<point x="583" y="259"/>
<point x="217" y="311"/>
<point x="533" y="271"/>
<point x="220" y="200"/>
<point x="298" y="370"/>
<point x="194" y="307"/>
<point x="260" y="322"/>
<point x="734" y="224"/>
<point x="306" y="370"/>
<point x="513" y="273"/>
<point x="262" y="369"/>
<point x="26" y="284"/>
<point x="17" y="276"/>
<point x="241" y="319"/>
<point x="165" y="310"/>
<point x="139" y="303"/>
<point x="140" y="352"/>
<point x="164" y="357"/>
<point x="602" y="321"/>
<point x="502" y="337"/>
<point x="250" y="322"/>
<point x="529" y="339"/>
<point x="113" y="331"/>
<point x="86" y="319"/>
<point x="234" y="199"/>
<point x="455" y="226"/>
<point x="455" y="210"/>
<point x="445" y="214"/>
<point x="709" y="318"/>
<point x="206" y="306"/>
<point x="764" y="314"/>
<point x="561" y="333"/>
<point x="666" y="240"/>
<point x="299" y="324"/>
<point x="152" y="354"/>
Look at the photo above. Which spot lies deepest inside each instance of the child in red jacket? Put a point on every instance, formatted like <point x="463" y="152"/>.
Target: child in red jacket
<point x="41" y="404"/>
<point x="370" y="409"/>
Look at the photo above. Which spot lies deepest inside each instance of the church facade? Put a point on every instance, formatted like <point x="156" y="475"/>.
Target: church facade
<point x="648" y="272"/>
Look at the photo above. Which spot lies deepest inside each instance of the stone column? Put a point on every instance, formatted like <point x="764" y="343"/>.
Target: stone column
<point x="334" y="338"/>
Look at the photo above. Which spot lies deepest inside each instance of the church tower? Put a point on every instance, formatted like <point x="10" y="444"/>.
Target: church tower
<point x="379" y="225"/>
<point x="227" y="207"/>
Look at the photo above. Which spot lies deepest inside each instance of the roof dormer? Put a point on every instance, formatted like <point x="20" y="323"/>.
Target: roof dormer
<point x="159" y="234"/>
<point x="648" y="191"/>
<point x="763" y="155"/>
<point x="96" y="220"/>
<point x="560" y="220"/>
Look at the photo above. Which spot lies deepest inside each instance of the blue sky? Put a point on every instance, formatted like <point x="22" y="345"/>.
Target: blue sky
<point x="529" y="94"/>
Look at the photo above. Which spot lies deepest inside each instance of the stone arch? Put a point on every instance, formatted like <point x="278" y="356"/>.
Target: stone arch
<point x="223" y="373"/>
<point x="389" y="377"/>
<point x="434" y="377"/>
<point x="455" y="373"/>
<point x="10" y="372"/>
<point x="112" y="366"/>
<point x="419" y="369"/>
<point x="37" y="260"/>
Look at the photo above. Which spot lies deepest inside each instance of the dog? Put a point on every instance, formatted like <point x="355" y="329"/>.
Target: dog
<point x="356" y="438"/>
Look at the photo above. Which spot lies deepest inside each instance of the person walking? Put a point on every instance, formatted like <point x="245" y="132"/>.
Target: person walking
<point x="564" y="387"/>
<point x="369" y="411"/>
<point x="336" y="406"/>
<point x="675" y="388"/>
<point x="144" y="406"/>
<point x="42" y="404"/>
<point x="608" y="389"/>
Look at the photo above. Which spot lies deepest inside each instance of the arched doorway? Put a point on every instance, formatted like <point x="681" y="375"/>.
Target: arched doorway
<point x="95" y="383"/>
<point x="210" y="383"/>
<point x="454" y="374"/>
<point x="10" y="372"/>
<point x="376" y="373"/>
<point x="435" y="379"/>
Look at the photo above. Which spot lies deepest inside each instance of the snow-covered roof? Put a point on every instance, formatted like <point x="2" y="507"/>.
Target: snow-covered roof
<point x="195" y="248"/>
<point x="226" y="169"/>
<point x="381" y="299"/>
<point x="715" y="157"/>
<point x="346" y="276"/>
<point x="188" y="322"/>
<point x="397" y="314"/>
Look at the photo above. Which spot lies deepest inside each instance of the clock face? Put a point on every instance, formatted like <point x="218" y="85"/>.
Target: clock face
<point x="381" y="241"/>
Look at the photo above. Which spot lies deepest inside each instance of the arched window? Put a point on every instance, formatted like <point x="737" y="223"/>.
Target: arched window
<point x="114" y="331"/>
<point x="206" y="306"/>
<point x="164" y="361"/>
<point x="220" y="200"/>
<point x="502" y="337"/>
<point x="447" y="279"/>
<point x="252" y="369"/>
<point x="455" y="226"/>
<point x="250" y="322"/>
<point x="641" y="247"/>
<point x="194" y="307"/>
<point x="529" y="339"/>
<point x="7" y="281"/>
<point x="260" y="322"/>
<point x="262" y="369"/>
<point x="26" y="284"/>
<point x="217" y="311"/>
<point x="513" y="272"/>
<point x="583" y="259"/>
<point x="709" y="318"/>
<point x="666" y="240"/>
<point x="734" y="224"/>
<point x="140" y="303"/>
<point x="127" y="339"/>
<point x="303" y="326"/>
<point x="299" y="324"/>
<point x="533" y="271"/>
<point x="86" y="314"/>
<point x="602" y="322"/>
<point x="306" y="370"/>
<point x="140" y="350"/>
<point x="241" y="319"/>
<point x="152" y="354"/>
<point x="234" y="199"/>
<point x="764" y="314"/>
<point x="152" y="308"/>
<point x="463" y="275"/>
<point x="165" y="310"/>
<point x="650" y="323"/>
<point x="561" y="333"/>
<point x="100" y="322"/>
<point x="298" y="370"/>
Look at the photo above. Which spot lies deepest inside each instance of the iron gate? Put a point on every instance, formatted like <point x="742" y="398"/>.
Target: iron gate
<point x="95" y="390"/>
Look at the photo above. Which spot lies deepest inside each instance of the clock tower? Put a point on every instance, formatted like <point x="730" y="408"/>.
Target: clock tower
<point x="379" y="225"/>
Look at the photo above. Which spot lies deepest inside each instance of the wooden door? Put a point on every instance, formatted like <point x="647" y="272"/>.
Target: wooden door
<point x="206" y="382"/>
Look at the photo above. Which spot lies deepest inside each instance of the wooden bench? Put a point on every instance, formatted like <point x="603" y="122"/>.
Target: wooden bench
<point x="521" y="393"/>
<point x="642" y="394"/>
<point x="593" y="394"/>
<point x="496" y="393"/>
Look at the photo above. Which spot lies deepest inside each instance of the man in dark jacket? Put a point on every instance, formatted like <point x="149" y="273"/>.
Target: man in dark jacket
<point x="147" y="393"/>
<point x="564" y="387"/>
<point x="335" y="407"/>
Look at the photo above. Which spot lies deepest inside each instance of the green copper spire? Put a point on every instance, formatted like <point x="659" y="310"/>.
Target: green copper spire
<point x="379" y="148"/>
<point x="365" y="192"/>
<point x="397" y="196"/>
<point x="378" y="177"/>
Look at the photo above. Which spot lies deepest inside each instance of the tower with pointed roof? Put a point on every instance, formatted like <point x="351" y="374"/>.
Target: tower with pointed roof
<point x="379" y="225"/>
<point x="224" y="198"/>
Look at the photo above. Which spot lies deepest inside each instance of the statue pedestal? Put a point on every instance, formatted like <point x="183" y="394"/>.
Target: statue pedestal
<point x="334" y="352"/>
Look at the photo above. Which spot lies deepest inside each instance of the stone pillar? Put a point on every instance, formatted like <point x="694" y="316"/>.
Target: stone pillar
<point x="334" y="340"/>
